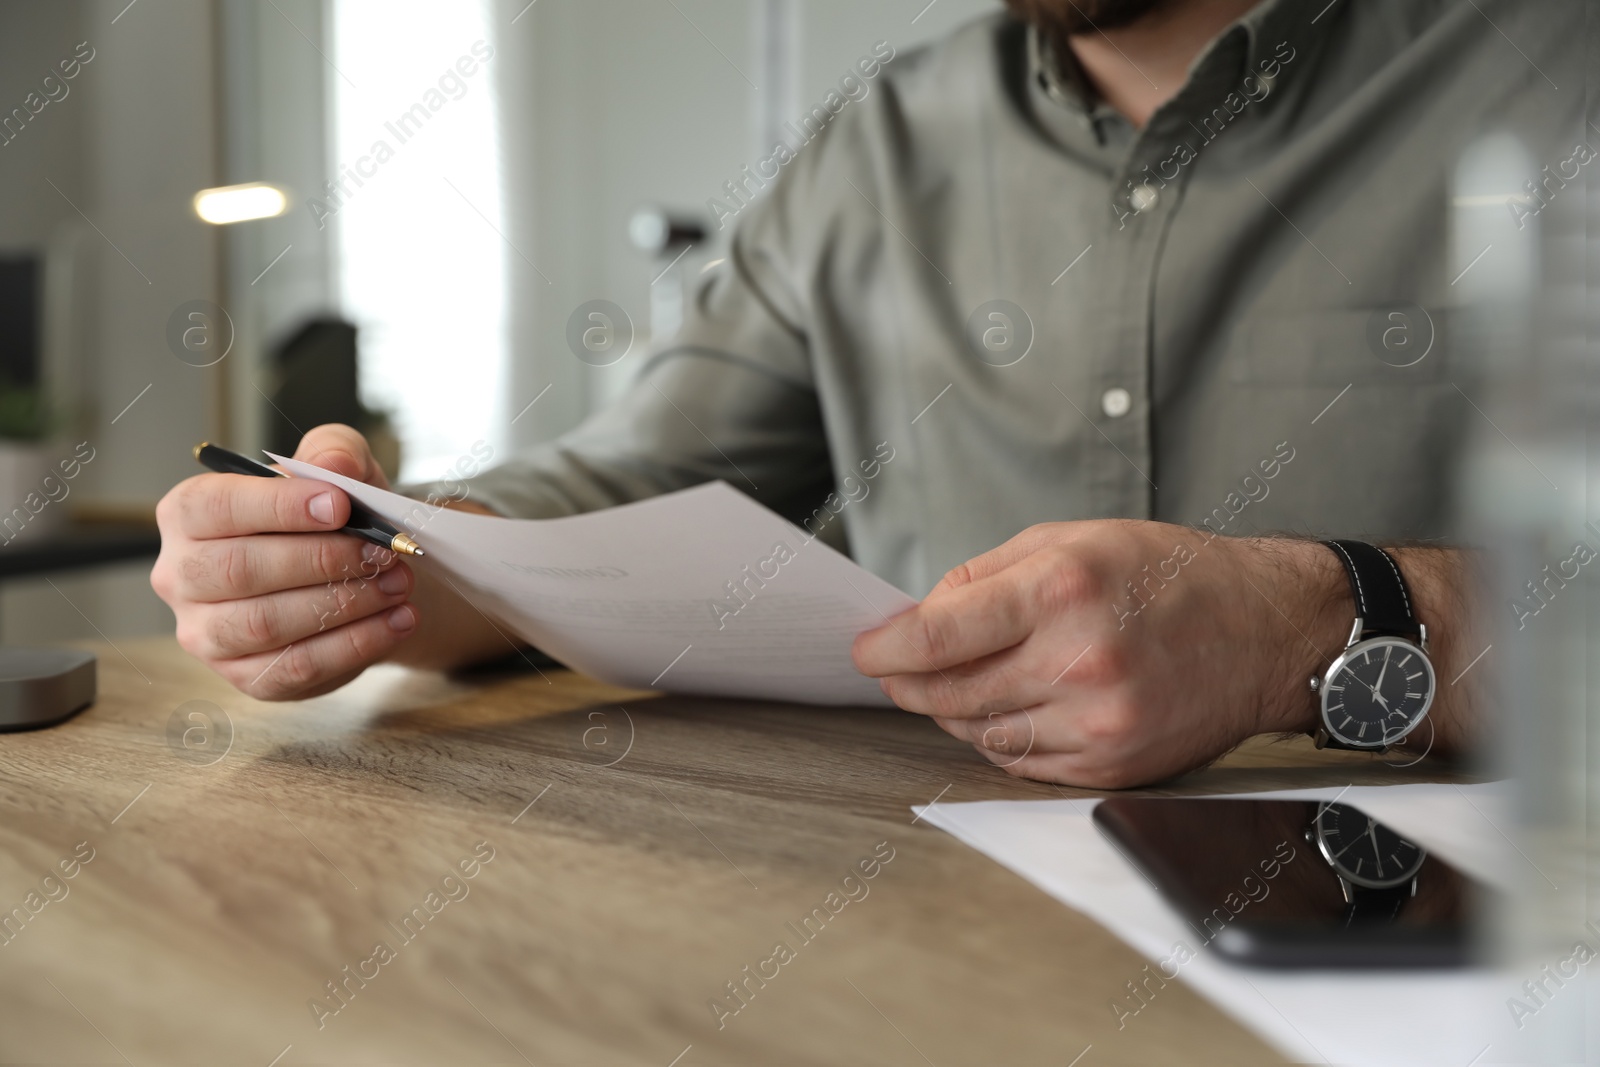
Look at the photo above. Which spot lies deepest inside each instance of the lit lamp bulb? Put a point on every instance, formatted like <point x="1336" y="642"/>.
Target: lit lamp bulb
<point x="240" y="203"/>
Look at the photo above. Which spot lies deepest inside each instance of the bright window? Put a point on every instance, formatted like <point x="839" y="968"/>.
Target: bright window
<point x="416" y="204"/>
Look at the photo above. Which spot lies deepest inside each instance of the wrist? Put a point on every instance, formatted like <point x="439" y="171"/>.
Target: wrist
<point x="1303" y="608"/>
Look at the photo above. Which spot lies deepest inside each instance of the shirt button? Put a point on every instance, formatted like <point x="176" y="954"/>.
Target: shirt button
<point x="1143" y="197"/>
<point x="1116" y="402"/>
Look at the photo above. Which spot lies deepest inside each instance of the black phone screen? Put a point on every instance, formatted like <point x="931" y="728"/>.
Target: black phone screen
<point x="1291" y="883"/>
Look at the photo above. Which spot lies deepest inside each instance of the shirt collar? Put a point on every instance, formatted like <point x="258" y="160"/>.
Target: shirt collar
<point x="1065" y="90"/>
<point x="1060" y="77"/>
<point x="1062" y="81"/>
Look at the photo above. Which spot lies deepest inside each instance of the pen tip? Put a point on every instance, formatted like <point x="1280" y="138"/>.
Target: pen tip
<point x="405" y="545"/>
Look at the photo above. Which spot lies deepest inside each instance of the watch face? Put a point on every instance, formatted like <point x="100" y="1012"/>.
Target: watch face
<point x="1376" y="692"/>
<point x="1363" y="850"/>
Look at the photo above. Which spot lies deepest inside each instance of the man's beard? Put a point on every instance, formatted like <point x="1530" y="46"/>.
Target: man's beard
<point x="1059" y="19"/>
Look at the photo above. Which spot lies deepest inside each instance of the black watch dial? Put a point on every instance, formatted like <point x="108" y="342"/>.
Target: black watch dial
<point x="1363" y="850"/>
<point x="1377" y="692"/>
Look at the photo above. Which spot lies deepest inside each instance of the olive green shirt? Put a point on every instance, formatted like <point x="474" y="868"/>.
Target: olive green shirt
<point x="982" y="300"/>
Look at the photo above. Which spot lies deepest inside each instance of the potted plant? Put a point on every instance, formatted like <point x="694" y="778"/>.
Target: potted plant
<point x="31" y="490"/>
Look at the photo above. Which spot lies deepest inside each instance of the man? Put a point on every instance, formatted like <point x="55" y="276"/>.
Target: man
<point x="1100" y="272"/>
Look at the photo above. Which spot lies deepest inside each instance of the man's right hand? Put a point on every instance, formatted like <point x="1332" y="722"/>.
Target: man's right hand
<point x="267" y="592"/>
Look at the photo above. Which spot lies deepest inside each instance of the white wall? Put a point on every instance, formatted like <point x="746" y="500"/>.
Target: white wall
<point x="128" y="145"/>
<point x="274" y="77"/>
<point x="149" y="147"/>
<point x="612" y="105"/>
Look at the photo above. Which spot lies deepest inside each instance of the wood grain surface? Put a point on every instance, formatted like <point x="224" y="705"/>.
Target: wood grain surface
<point x="645" y="850"/>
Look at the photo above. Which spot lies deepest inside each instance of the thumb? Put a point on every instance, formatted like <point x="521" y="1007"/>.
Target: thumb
<point x="342" y="450"/>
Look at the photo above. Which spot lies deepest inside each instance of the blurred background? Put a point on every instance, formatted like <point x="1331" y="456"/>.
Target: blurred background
<point x="411" y="204"/>
<point x="464" y="222"/>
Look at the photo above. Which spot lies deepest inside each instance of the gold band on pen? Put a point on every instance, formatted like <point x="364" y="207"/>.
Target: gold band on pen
<point x="406" y="546"/>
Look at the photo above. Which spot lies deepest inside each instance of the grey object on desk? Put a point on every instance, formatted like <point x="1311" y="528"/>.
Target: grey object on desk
<point x="44" y="686"/>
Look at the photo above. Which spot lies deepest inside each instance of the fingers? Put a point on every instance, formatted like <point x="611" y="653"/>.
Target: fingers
<point x="231" y="568"/>
<point x="960" y="625"/>
<point x="1064" y="768"/>
<point x="243" y="627"/>
<point x="1033" y="672"/>
<point x="340" y="449"/>
<point x="234" y="505"/>
<point x="277" y="613"/>
<point x="323" y="661"/>
<point x="968" y="691"/>
<point x="1008" y="736"/>
<point x="1028" y="744"/>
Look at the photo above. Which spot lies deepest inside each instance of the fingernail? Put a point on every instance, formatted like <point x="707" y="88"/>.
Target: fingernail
<point x="322" y="507"/>
<point x="401" y="619"/>
<point x="392" y="583"/>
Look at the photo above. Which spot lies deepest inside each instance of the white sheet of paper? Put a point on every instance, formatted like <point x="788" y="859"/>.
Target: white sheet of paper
<point x="1449" y="1018"/>
<point x="631" y="594"/>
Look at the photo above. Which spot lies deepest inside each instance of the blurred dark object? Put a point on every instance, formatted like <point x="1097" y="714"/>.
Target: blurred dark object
<point x="316" y="381"/>
<point x="22" y="414"/>
<point x="525" y="660"/>
<point x="659" y="230"/>
<point x="44" y="686"/>
<point x="80" y="544"/>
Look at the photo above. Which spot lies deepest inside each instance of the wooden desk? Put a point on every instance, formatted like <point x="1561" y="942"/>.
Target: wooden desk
<point x="222" y="897"/>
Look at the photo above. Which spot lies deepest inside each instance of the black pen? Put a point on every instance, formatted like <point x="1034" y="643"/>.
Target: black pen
<point x="363" y="523"/>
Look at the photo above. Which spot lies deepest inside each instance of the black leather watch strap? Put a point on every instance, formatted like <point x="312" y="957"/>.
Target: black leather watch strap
<point x="1382" y="601"/>
<point x="1376" y="906"/>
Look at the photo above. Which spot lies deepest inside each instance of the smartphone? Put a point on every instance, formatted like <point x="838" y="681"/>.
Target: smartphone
<point x="1295" y="883"/>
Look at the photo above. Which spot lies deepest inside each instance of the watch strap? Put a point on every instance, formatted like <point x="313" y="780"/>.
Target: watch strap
<point x="1324" y="739"/>
<point x="1383" y="603"/>
<point x="1376" y="906"/>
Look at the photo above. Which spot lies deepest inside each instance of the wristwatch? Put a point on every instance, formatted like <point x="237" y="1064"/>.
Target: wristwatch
<point x="1380" y="687"/>
<point x="1376" y="867"/>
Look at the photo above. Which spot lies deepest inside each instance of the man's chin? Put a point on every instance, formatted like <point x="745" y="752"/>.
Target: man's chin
<point x="1062" y="18"/>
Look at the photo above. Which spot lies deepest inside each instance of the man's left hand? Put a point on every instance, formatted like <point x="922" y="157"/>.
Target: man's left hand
<point x="1116" y="653"/>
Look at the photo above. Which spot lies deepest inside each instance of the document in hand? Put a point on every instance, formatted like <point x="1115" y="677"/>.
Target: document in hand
<point x="701" y="591"/>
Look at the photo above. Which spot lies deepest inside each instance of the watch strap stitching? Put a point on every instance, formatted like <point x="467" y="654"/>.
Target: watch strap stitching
<point x="1398" y="580"/>
<point x="1355" y="575"/>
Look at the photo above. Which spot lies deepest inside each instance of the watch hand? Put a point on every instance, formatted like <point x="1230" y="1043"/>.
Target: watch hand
<point x="1373" y="834"/>
<point x="1386" y="650"/>
<point x="1382" y="703"/>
